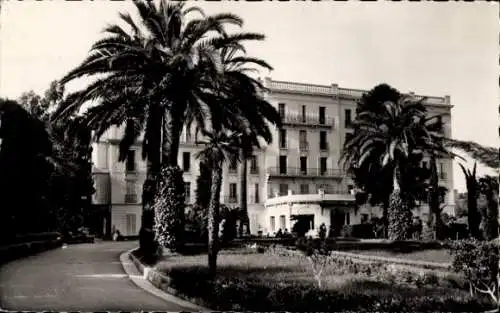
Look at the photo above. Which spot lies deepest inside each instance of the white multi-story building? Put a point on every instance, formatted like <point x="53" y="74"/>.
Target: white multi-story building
<point x="297" y="174"/>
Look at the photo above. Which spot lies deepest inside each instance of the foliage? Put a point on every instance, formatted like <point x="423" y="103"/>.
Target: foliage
<point x="358" y="230"/>
<point x="473" y="217"/>
<point x="478" y="261"/>
<point x="270" y="283"/>
<point x="488" y="186"/>
<point x="400" y="217"/>
<point x="169" y="208"/>
<point x="203" y="182"/>
<point x="488" y="156"/>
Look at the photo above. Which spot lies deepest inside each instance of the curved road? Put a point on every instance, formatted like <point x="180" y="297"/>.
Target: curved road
<point x="82" y="277"/>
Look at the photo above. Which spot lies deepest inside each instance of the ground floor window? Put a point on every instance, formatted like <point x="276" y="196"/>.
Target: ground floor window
<point x="282" y="222"/>
<point x="131" y="224"/>
<point x="272" y="223"/>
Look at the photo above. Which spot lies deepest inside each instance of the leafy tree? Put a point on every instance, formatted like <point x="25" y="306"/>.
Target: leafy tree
<point x="220" y="147"/>
<point x="25" y="152"/>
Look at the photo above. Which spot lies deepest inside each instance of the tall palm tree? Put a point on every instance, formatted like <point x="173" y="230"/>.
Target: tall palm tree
<point x="390" y="139"/>
<point x="176" y="62"/>
<point x="220" y="147"/>
<point x="473" y="215"/>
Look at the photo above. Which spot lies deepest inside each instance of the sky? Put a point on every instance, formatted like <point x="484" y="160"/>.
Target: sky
<point x="429" y="48"/>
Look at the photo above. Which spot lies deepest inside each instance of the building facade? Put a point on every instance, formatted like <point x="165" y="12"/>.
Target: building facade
<point x="297" y="175"/>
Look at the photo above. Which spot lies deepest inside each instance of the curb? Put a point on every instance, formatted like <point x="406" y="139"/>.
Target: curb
<point x="156" y="283"/>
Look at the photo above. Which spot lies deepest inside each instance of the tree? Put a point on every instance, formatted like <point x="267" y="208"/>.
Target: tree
<point x="488" y="186"/>
<point x="473" y="216"/>
<point x="389" y="141"/>
<point x="176" y="63"/>
<point x="220" y="147"/>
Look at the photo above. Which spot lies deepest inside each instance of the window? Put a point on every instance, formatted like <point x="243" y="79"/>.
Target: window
<point x="282" y="222"/>
<point x="348" y="118"/>
<point x="254" y="169"/>
<point x="364" y="218"/>
<point x="283" y="189"/>
<point x="130" y="194"/>
<point x="186" y="161"/>
<point x="303" y="140"/>
<point x="188" y="134"/>
<point x="424" y="164"/>
<point x="322" y="165"/>
<point x="322" y="115"/>
<point x="304" y="189"/>
<point x="233" y="193"/>
<point x="233" y="166"/>
<point x="348" y="218"/>
<point x="131" y="161"/>
<point x="282" y="138"/>
<point x="442" y="174"/>
<point x="282" y="164"/>
<point x="281" y="109"/>
<point x="257" y="198"/>
<point x="322" y="140"/>
<point x="187" y="188"/>
<point x="131" y="224"/>
<point x="303" y="114"/>
<point x="272" y="223"/>
<point x="303" y="165"/>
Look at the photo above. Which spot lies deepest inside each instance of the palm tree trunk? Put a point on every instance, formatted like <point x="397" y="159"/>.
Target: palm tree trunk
<point x="172" y="128"/>
<point x="434" y="207"/>
<point x="473" y="217"/>
<point x="244" y="190"/>
<point x="213" y="219"/>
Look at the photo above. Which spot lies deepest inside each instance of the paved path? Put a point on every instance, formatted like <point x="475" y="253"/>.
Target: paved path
<point x="82" y="277"/>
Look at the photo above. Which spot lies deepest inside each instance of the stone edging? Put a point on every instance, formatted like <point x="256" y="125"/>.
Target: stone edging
<point x="162" y="281"/>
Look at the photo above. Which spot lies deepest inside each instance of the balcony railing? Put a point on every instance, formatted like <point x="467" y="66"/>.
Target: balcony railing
<point x="131" y="198"/>
<point x="230" y="200"/>
<point x="254" y="170"/>
<point x="307" y="172"/>
<point x="310" y="120"/>
<point x="304" y="146"/>
<point x="232" y="170"/>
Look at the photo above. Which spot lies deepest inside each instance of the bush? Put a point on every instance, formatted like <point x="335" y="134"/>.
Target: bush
<point x="364" y="231"/>
<point x="478" y="262"/>
<point x="169" y="208"/>
<point x="237" y="294"/>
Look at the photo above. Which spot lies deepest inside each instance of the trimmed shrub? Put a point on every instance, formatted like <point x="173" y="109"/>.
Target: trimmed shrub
<point x="169" y="208"/>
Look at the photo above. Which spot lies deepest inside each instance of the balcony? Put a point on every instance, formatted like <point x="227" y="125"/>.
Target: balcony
<point x="230" y="200"/>
<point x="303" y="172"/>
<point x="254" y="170"/>
<point x="232" y="170"/>
<point x="304" y="146"/>
<point x="296" y="119"/>
<point x="131" y="198"/>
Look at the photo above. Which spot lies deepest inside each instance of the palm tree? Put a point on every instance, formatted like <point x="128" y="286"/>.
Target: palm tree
<point x="220" y="147"/>
<point x="390" y="139"/>
<point x="176" y="64"/>
<point x="473" y="215"/>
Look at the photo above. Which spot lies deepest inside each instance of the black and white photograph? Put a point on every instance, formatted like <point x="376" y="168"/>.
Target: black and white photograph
<point x="197" y="156"/>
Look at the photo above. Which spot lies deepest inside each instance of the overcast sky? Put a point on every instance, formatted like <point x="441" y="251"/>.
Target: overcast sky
<point x="429" y="48"/>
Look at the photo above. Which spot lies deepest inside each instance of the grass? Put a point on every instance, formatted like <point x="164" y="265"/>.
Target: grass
<point x="438" y="256"/>
<point x="281" y="270"/>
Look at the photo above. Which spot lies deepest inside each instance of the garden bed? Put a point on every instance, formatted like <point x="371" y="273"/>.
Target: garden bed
<point x="432" y="255"/>
<point x="272" y="282"/>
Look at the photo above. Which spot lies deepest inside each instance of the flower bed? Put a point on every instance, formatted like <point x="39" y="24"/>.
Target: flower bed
<point x="273" y="282"/>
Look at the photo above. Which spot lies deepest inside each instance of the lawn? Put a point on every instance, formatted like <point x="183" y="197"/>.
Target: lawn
<point x="438" y="256"/>
<point x="259" y="274"/>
